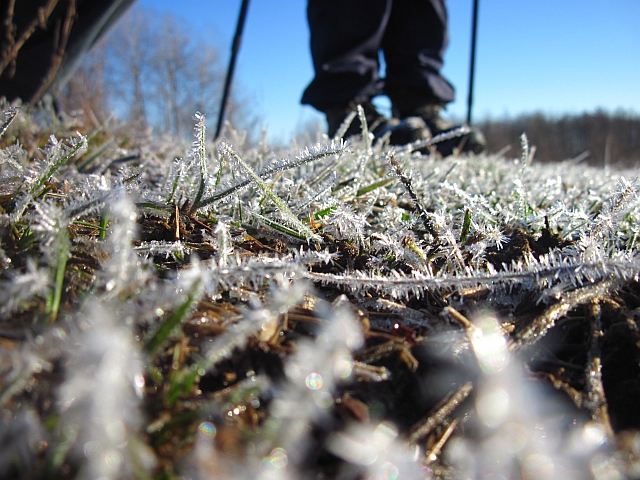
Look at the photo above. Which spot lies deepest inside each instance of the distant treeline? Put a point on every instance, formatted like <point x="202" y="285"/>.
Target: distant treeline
<point x="607" y="138"/>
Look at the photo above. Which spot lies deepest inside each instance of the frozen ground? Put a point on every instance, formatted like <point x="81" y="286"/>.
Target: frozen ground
<point x="347" y="310"/>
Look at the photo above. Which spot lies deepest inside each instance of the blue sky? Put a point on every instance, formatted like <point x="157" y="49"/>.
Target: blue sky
<point x="555" y="56"/>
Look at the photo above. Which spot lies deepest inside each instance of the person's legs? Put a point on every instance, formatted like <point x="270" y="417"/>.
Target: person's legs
<point x="50" y="52"/>
<point x="414" y="45"/>
<point x="345" y="40"/>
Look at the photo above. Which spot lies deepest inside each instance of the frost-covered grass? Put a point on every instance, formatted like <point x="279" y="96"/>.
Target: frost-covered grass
<point x="350" y="310"/>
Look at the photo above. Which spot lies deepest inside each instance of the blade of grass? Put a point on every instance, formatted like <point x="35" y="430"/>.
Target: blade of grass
<point x="9" y="116"/>
<point x="374" y="186"/>
<point x="201" y="153"/>
<point x="279" y="227"/>
<point x="104" y="222"/>
<point x="172" y="321"/>
<point x="333" y="149"/>
<point x="53" y="306"/>
<point x="71" y="152"/>
<point x="466" y="226"/>
<point x="288" y="215"/>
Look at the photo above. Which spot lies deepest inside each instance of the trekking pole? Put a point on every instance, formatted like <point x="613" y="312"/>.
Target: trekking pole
<point x="232" y="64"/>
<point x="473" y="59"/>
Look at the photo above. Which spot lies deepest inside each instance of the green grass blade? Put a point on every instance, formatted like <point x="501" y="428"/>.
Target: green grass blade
<point x="172" y="321"/>
<point x="288" y="215"/>
<point x="71" y="152"/>
<point x="333" y="149"/>
<point x="374" y="186"/>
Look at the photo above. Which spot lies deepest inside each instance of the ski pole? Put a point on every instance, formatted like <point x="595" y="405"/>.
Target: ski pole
<point x="232" y="64"/>
<point x="473" y="59"/>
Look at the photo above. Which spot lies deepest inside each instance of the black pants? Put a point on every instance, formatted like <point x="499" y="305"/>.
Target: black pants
<point x="52" y="50"/>
<point x="346" y="36"/>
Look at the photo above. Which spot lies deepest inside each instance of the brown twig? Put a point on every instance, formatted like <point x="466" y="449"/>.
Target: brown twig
<point x="594" y="397"/>
<point x="418" y="206"/>
<point x="177" y="218"/>
<point x="370" y="373"/>
<point x="14" y="46"/>
<point x="432" y="455"/>
<point x="544" y="322"/>
<point x="60" y="44"/>
<point x="559" y="384"/>
<point x="469" y="327"/>
<point x="10" y="35"/>
<point x="441" y="412"/>
<point x="376" y="352"/>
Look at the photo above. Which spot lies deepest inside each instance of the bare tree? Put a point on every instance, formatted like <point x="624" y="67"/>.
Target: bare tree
<point x="154" y="74"/>
<point x="187" y="78"/>
<point x="208" y="81"/>
<point x="171" y="68"/>
<point x="130" y="64"/>
<point x="85" y="95"/>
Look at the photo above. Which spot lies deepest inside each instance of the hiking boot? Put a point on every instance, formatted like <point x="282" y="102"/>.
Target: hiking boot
<point x="472" y="141"/>
<point x="337" y="115"/>
<point x="401" y="132"/>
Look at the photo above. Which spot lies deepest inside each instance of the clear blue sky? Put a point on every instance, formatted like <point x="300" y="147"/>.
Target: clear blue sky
<point x="555" y="56"/>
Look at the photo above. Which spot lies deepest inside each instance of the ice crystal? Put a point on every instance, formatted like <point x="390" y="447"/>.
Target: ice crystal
<point x="313" y="373"/>
<point x="20" y="287"/>
<point x="255" y="320"/>
<point x="345" y="224"/>
<point x="17" y="437"/>
<point x="9" y="115"/>
<point x="98" y="404"/>
<point x="124" y="270"/>
<point x="506" y="403"/>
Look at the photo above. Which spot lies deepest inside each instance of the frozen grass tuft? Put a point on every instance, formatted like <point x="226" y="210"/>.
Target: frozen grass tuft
<point x="349" y="310"/>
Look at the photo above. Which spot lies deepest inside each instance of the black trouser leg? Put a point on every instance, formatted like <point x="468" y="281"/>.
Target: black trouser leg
<point x="414" y="44"/>
<point x="346" y="36"/>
